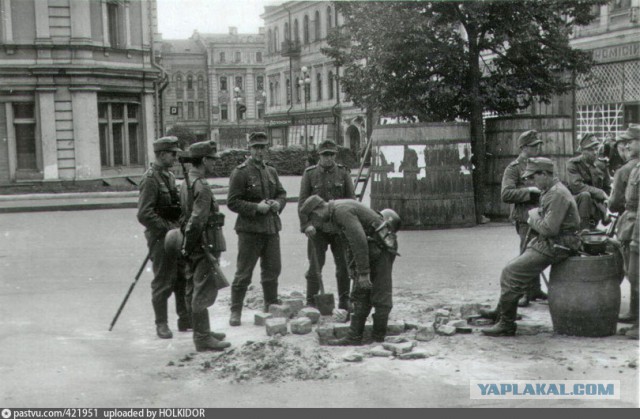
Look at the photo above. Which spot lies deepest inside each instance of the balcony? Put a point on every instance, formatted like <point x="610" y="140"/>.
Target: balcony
<point x="290" y="48"/>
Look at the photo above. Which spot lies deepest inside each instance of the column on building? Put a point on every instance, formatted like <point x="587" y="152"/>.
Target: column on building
<point x="147" y="124"/>
<point x="84" y="107"/>
<point x="81" y="30"/>
<point x="45" y="97"/>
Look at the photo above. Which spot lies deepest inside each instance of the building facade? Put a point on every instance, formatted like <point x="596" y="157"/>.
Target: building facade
<point x="77" y="88"/>
<point x="217" y="86"/>
<point x="305" y="104"/>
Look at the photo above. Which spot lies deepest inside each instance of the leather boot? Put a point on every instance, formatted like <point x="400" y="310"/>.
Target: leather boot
<point x="202" y="334"/>
<point x="356" y="329"/>
<point x="182" y="308"/>
<point x="632" y="315"/>
<point x="219" y="336"/>
<point x="237" y="301"/>
<point x="507" y="324"/>
<point x="536" y="293"/>
<point x="162" y="328"/>
<point x="184" y="323"/>
<point x="380" y="321"/>
<point x="632" y="333"/>
<point x="490" y="314"/>
<point x="524" y="301"/>
<point x="270" y="294"/>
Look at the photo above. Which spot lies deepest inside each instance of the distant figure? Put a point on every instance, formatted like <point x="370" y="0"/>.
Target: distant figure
<point x="466" y="166"/>
<point x="409" y="163"/>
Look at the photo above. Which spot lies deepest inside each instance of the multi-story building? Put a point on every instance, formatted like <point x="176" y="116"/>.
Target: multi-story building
<point x="77" y="86"/>
<point x="217" y="86"/>
<point x="305" y="104"/>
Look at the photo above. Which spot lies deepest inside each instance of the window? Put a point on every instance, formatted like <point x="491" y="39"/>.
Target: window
<point x="318" y="87"/>
<point x="223" y="83"/>
<point x="305" y="29"/>
<point x="239" y="82"/>
<point x="224" y="113"/>
<point x="329" y="19"/>
<point x="287" y="35"/>
<point x="296" y="31"/>
<point x="297" y="89"/>
<point x="119" y="130"/>
<point x="260" y="82"/>
<point x="238" y="56"/>
<point x="201" y="86"/>
<point x="179" y="87"/>
<point x="269" y="40"/>
<point x="620" y="5"/>
<point x="277" y="93"/>
<point x="288" y="92"/>
<point x="331" y="84"/>
<point x="316" y="28"/>
<point x="271" y="94"/>
<point x="180" y="110"/>
<point x="113" y="24"/>
<point x="190" y="111"/>
<point x="189" y="82"/>
<point x="261" y="111"/>
<point x="276" y="40"/>
<point x="24" y="124"/>
<point x="201" y="114"/>
<point x="222" y="57"/>
<point x="259" y="57"/>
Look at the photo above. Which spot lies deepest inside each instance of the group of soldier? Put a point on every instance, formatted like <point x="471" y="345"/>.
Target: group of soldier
<point x="185" y="240"/>
<point x="550" y="216"/>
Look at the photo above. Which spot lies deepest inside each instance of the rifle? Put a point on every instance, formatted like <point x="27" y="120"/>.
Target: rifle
<point x="133" y="284"/>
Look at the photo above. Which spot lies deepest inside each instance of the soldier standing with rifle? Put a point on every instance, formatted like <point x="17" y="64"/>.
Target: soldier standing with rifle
<point x="203" y="243"/>
<point x="256" y="194"/>
<point x="371" y="239"/>
<point x="329" y="181"/>
<point x="159" y="212"/>
<point x="524" y="196"/>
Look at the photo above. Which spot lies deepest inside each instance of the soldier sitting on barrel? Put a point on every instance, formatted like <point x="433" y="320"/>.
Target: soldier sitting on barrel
<point x="371" y="240"/>
<point x="556" y="222"/>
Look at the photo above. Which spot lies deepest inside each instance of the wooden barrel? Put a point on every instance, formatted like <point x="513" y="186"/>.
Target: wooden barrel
<point x="502" y="148"/>
<point x="422" y="171"/>
<point x="584" y="296"/>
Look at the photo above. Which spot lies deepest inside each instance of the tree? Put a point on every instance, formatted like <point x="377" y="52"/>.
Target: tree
<point x="442" y="60"/>
<point x="186" y="137"/>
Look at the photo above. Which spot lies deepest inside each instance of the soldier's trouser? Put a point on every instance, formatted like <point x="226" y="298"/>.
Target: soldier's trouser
<point x="631" y="269"/>
<point x="379" y="296"/>
<point x="522" y="229"/>
<point x="520" y="272"/>
<point x="590" y="215"/>
<point x="316" y="253"/>
<point x="201" y="289"/>
<point x="251" y="247"/>
<point x="167" y="278"/>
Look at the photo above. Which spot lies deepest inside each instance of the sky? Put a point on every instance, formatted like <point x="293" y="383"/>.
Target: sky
<point x="177" y="19"/>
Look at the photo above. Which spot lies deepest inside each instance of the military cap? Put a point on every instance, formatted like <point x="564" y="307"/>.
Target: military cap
<point x="538" y="164"/>
<point x="529" y="138"/>
<point x="310" y="204"/>
<point x="258" y="138"/>
<point x="327" y="146"/>
<point x="203" y="149"/>
<point x="166" y="144"/>
<point x="588" y="140"/>
<point x="632" y="133"/>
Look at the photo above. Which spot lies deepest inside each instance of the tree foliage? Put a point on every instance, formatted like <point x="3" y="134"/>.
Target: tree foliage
<point x="185" y="135"/>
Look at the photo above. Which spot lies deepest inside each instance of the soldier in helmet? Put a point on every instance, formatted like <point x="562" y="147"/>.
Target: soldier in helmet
<point x="202" y="223"/>
<point x="589" y="184"/>
<point x="329" y="181"/>
<point x="159" y="212"/>
<point x="256" y="194"/>
<point x="371" y="240"/>
<point x="556" y="222"/>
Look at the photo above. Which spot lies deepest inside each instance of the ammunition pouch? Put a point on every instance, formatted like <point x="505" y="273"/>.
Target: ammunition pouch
<point x="213" y="233"/>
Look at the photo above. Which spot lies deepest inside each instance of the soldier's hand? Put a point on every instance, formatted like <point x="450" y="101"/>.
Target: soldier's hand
<point x="263" y="207"/>
<point x="534" y="214"/>
<point x="534" y="189"/>
<point x="310" y="231"/>
<point x="275" y="206"/>
<point x="364" y="282"/>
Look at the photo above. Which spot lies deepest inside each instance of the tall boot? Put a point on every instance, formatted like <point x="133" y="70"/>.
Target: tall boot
<point x="507" y="324"/>
<point x="162" y="328"/>
<point x="182" y="308"/>
<point x="356" y="329"/>
<point x="380" y="321"/>
<point x="535" y="292"/>
<point x="632" y="315"/>
<point x="219" y="336"/>
<point x="490" y="314"/>
<point x="237" y="301"/>
<point x="202" y="334"/>
<point x="270" y="294"/>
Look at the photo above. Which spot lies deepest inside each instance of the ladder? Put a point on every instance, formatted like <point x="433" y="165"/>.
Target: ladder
<point x="364" y="173"/>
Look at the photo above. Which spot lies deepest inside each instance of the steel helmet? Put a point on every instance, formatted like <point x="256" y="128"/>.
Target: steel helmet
<point x="173" y="242"/>
<point x="392" y="219"/>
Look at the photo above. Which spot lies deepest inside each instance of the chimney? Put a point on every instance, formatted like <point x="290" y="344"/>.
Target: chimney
<point x="233" y="30"/>
<point x="261" y="30"/>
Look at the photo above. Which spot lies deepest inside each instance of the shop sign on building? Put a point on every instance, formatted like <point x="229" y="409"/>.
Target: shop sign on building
<point x="614" y="53"/>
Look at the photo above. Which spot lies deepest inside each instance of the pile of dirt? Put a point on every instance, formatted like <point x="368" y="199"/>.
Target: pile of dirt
<point x="271" y="361"/>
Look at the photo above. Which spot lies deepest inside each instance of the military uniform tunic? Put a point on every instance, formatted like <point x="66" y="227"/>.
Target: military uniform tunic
<point x="515" y="191"/>
<point x="329" y="183"/>
<point x="629" y="235"/>
<point x="258" y="234"/>
<point x="589" y="185"/>
<point x="158" y="192"/>
<point x="620" y="181"/>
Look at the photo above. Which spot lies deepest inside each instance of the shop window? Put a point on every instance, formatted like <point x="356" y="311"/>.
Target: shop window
<point x="24" y="125"/>
<point x="119" y="130"/>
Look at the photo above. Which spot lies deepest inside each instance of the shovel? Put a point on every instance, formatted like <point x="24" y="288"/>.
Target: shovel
<point x="324" y="302"/>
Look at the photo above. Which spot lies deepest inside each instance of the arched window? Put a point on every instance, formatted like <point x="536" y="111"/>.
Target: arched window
<point x="318" y="32"/>
<point x="223" y="83"/>
<point x="222" y="57"/>
<point x="288" y="92"/>
<point x="270" y="93"/>
<point x="276" y="40"/>
<point x="200" y="82"/>
<point x="277" y="92"/>
<point x="260" y="82"/>
<point x="305" y="29"/>
<point x="287" y="35"/>
<point x="329" y="18"/>
<point x="179" y="87"/>
<point x="189" y="82"/>
<point x="269" y="40"/>
<point x="296" y="31"/>
<point x="297" y="89"/>
<point x="318" y="87"/>
<point x="239" y="82"/>
<point x="238" y="56"/>
<point x="331" y="84"/>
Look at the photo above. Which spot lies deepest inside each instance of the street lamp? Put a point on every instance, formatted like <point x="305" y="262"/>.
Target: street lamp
<point x="304" y="83"/>
<point x="237" y="99"/>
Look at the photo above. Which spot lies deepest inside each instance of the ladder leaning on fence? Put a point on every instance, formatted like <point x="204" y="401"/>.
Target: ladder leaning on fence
<point x="364" y="173"/>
